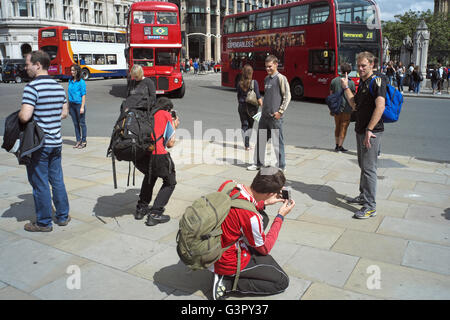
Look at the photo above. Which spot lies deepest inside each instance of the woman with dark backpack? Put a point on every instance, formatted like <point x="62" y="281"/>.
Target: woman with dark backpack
<point x="246" y="108"/>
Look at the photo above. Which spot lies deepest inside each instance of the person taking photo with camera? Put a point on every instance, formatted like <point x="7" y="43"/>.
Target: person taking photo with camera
<point x="259" y="273"/>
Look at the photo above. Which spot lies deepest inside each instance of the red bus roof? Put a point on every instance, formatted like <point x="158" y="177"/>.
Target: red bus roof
<point x="154" y="5"/>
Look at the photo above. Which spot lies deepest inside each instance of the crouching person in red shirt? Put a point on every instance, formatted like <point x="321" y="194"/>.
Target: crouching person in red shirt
<point x="259" y="273"/>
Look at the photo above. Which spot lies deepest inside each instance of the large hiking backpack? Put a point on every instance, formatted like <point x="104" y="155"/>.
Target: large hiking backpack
<point x="132" y="137"/>
<point x="199" y="236"/>
<point x="393" y="102"/>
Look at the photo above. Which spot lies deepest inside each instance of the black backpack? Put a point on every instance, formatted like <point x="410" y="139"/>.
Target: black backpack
<point x="132" y="137"/>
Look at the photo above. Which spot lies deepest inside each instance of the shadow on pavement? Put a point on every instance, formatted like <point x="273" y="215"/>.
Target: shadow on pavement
<point x="446" y="214"/>
<point x="104" y="205"/>
<point x="22" y="211"/>
<point x="185" y="281"/>
<point x="325" y="194"/>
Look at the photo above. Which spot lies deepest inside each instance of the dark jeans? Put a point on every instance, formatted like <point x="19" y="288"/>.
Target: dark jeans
<point x="164" y="168"/>
<point x="246" y="123"/>
<point x="79" y="121"/>
<point x="45" y="168"/>
<point x="262" y="275"/>
<point x="270" y="128"/>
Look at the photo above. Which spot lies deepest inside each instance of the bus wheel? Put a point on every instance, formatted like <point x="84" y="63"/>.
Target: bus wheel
<point x="85" y="74"/>
<point x="179" y="93"/>
<point x="297" y="90"/>
<point x="18" y="79"/>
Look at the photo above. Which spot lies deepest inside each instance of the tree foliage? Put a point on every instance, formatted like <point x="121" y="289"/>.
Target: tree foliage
<point x="406" y="24"/>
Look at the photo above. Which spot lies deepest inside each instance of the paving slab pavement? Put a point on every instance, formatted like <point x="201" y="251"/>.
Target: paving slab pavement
<point x="402" y="253"/>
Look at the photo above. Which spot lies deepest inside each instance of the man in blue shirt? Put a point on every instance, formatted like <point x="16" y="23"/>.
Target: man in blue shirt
<point x="44" y="101"/>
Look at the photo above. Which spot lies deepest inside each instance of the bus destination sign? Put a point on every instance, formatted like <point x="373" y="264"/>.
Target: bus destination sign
<point x="358" y="35"/>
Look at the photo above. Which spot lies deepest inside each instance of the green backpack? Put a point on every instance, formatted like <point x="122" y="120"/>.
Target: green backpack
<point x="199" y="235"/>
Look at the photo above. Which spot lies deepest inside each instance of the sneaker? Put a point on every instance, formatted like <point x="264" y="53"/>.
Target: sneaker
<point x="253" y="167"/>
<point x="218" y="288"/>
<point x="337" y="148"/>
<point x="34" y="227"/>
<point x="357" y="200"/>
<point x="154" y="219"/>
<point x="342" y="149"/>
<point x="64" y="223"/>
<point x="365" y="213"/>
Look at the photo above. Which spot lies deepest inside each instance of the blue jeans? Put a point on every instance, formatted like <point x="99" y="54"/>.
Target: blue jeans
<point x="79" y="121"/>
<point x="269" y="127"/>
<point x="417" y="87"/>
<point x="46" y="167"/>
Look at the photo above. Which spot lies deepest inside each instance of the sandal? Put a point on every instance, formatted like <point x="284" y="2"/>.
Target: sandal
<point x="77" y="146"/>
<point x="82" y="145"/>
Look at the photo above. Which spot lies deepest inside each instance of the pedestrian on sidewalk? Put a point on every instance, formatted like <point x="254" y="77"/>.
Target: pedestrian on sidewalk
<point x="158" y="165"/>
<point x="342" y="120"/>
<point x="400" y="76"/>
<point x="369" y="127"/>
<point x="259" y="273"/>
<point x="246" y="110"/>
<point x="44" y="101"/>
<point x="77" y="105"/>
<point x="277" y="95"/>
<point x="417" y="78"/>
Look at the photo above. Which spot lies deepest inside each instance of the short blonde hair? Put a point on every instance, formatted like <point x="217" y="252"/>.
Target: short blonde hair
<point x="137" y="72"/>
<point x="366" y="55"/>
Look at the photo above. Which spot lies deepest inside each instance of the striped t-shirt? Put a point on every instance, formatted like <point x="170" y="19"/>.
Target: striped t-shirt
<point x="47" y="97"/>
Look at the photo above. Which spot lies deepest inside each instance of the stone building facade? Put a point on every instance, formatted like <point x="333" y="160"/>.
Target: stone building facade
<point x="201" y="21"/>
<point x="21" y="19"/>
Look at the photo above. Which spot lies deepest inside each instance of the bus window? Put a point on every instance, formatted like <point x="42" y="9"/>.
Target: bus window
<point x="85" y="58"/>
<point x="97" y="36"/>
<point x="120" y="37"/>
<point x="111" y="59"/>
<point x="52" y="51"/>
<point x="109" y="37"/>
<point x="319" y="14"/>
<point x="299" y="15"/>
<point x="144" y="17"/>
<point x="166" y="56"/>
<point x="280" y="18"/>
<point x="83" y="35"/>
<point x="75" y="58"/>
<point x="252" y="22"/>
<point x="99" y="59"/>
<point x="321" y="61"/>
<point x="166" y="17"/>
<point x="241" y="24"/>
<point x="69" y="35"/>
<point x="143" y="57"/>
<point x="228" y="26"/>
<point x="263" y="21"/>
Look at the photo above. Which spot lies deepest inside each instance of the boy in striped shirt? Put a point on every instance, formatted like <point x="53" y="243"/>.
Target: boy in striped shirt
<point x="44" y="101"/>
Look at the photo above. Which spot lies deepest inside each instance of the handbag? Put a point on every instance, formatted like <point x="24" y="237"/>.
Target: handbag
<point x="251" y="96"/>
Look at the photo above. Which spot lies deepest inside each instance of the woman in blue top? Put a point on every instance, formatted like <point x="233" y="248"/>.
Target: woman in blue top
<point x="77" y="105"/>
<point x="247" y="111"/>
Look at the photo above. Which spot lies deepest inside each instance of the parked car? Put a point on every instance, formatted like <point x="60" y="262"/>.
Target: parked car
<point x="14" y="72"/>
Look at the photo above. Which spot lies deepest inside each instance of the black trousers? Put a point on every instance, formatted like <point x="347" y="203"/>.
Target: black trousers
<point x="262" y="276"/>
<point x="162" y="167"/>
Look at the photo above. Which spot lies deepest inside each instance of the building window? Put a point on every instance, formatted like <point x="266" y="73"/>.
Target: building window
<point x="84" y="11"/>
<point x="98" y="13"/>
<point x="23" y="8"/>
<point x="118" y="10"/>
<point x="50" y="9"/>
<point x="67" y="10"/>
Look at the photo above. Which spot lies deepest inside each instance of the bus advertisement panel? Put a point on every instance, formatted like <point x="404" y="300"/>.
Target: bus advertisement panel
<point x="154" y="42"/>
<point x="99" y="53"/>
<point x="310" y="40"/>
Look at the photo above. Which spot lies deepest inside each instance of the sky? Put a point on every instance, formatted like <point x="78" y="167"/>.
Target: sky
<point x="390" y="8"/>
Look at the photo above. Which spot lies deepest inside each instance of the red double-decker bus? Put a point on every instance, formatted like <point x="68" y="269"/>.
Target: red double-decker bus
<point x="310" y="38"/>
<point x="154" y="42"/>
